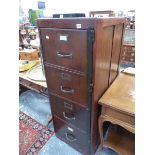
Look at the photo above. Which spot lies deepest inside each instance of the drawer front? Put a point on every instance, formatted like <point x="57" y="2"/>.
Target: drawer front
<point x="66" y="84"/>
<point x="129" y="54"/>
<point x="129" y="48"/>
<point x="71" y="136"/>
<point x="71" y="113"/>
<point x="66" y="48"/>
<point x="128" y="58"/>
<point x="119" y="115"/>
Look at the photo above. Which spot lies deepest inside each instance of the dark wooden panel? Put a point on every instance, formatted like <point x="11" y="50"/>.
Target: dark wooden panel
<point x="116" y="51"/>
<point x="112" y="21"/>
<point x="67" y="85"/>
<point x="71" y="113"/>
<point x="102" y="57"/>
<point x="72" y="136"/>
<point x="66" y="48"/>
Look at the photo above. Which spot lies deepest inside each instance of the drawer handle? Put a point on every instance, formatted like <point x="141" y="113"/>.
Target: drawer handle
<point x="67" y="117"/>
<point x="65" y="76"/>
<point x="63" y="55"/>
<point x="66" y="90"/>
<point x="68" y="106"/>
<point x="70" y="137"/>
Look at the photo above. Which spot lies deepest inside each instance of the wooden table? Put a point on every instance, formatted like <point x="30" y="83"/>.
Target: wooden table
<point x="38" y="86"/>
<point x="118" y="107"/>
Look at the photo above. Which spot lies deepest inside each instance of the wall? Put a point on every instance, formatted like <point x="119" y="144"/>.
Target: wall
<point x="29" y="4"/>
<point x="73" y="6"/>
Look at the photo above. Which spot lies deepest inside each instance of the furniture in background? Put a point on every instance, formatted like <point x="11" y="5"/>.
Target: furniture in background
<point x="28" y="37"/>
<point x="108" y="13"/>
<point x="131" y="19"/>
<point x="118" y="107"/>
<point x="128" y="54"/>
<point x="38" y="86"/>
<point x="69" y="15"/>
<point x="81" y="58"/>
<point x="128" y="51"/>
<point x="33" y="78"/>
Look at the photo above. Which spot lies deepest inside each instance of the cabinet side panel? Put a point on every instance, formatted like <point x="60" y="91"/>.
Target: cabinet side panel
<point x="116" y="50"/>
<point x="102" y="58"/>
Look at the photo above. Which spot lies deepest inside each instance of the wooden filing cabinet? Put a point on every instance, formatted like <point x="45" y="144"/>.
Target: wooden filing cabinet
<point x="81" y="58"/>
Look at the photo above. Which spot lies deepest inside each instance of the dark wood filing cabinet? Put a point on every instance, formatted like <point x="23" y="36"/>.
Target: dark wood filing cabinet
<point x="81" y="58"/>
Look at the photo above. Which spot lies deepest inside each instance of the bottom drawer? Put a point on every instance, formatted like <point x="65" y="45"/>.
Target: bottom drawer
<point x="71" y="113"/>
<point x="72" y="136"/>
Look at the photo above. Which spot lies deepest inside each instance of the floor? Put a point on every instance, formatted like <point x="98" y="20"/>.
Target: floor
<point x="37" y="106"/>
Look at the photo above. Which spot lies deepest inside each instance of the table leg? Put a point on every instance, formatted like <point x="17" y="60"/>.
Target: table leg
<point x="49" y="120"/>
<point x="100" y="123"/>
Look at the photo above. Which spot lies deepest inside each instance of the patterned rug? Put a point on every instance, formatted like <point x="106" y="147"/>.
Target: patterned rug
<point x="32" y="135"/>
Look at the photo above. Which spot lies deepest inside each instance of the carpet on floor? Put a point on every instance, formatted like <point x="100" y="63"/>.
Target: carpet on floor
<point x="32" y="135"/>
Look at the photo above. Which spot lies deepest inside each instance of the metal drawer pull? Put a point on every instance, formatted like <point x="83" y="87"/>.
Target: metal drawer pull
<point x="67" y="117"/>
<point x="66" y="90"/>
<point x="68" y="106"/>
<point x="64" y="55"/>
<point x="70" y="137"/>
<point x="65" y="76"/>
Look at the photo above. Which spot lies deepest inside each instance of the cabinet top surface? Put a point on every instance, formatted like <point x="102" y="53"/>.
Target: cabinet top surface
<point x="71" y="22"/>
<point x="121" y="94"/>
<point x="83" y="18"/>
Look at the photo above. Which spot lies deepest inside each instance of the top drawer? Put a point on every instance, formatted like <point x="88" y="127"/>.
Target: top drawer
<point x="65" y="47"/>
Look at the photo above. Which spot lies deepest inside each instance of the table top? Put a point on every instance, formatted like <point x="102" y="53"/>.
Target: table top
<point x="121" y="94"/>
<point x="41" y="83"/>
